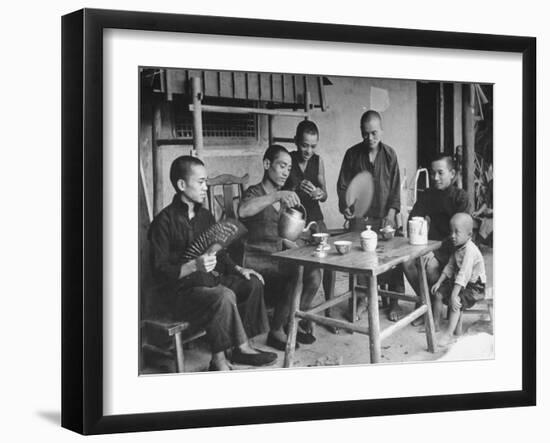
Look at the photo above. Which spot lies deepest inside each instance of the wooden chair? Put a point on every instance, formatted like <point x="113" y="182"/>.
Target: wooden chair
<point x="484" y="306"/>
<point x="224" y="194"/>
<point x="164" y="337"/>
<point x="172" y="329"/>
<point x="225" y="203"/>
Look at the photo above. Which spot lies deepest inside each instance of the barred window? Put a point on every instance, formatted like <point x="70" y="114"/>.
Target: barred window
<point x="219" y="125"/>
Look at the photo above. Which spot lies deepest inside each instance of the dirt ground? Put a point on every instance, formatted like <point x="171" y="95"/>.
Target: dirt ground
<point x="407" y="345"/>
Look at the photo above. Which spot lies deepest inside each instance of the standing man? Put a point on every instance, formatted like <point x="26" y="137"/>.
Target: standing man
<point x="380" y="160"/>
<point x="189" y="289"/>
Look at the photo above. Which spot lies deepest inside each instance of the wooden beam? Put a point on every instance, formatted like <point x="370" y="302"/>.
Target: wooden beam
<point x="145" y="191"/>
<point x="244" y="110"/>
<point x="397" y="296"/>
<point x="329" y="303"/>
<point x="441" y="117"/>
<point x="270" y="129"/>
<point x="468" y="141"/>
<point x="157" y="166"/>
<point x="322" y="94"/>
<point x="198" y="143"/>
<point x="174" y="141"/>
<point x="403" y="322"/>
<point x="283" y="140"/>
<point x="374" y="320"/>
<point x="327" y="321"/>
<point x="425" y="296"/>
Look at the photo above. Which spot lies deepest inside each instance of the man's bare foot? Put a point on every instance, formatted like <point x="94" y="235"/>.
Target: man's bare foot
<point x="395" y="313"/>
<point x="458" y="330"/>
<point x="445" y="340"/>
<point x="219" y="365"/>
<point x="360" y="310"/>
<point x="245" y="348"/>
<point x="418" y="321"/>
<point x="422" y="329"/>
<point x="279" y="335"/>
<point x="333" y="330"/>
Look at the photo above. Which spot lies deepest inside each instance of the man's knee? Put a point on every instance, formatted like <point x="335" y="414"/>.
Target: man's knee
<point x="253" y="287"/>
<point x="433" y="270"/>
<point x="312" y="277"/>
<point x="225" y="296"/>
<point x="409" y="269"/>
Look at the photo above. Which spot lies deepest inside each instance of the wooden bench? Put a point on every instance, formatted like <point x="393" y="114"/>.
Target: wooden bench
<point x="179" y="332"/>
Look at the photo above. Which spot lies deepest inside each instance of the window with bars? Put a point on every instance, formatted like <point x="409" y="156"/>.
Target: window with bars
<point x="219" y="125"/>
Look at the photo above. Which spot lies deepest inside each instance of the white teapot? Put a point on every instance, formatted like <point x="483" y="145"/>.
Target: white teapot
<point x="418" y="231"/>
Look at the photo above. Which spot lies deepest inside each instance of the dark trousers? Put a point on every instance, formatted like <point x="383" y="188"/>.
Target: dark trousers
<point x="216" y="310"/>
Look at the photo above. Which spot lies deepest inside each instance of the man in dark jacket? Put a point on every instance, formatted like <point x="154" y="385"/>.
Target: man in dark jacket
<point x="380" y="160"/>
<point x="206" y="290"/>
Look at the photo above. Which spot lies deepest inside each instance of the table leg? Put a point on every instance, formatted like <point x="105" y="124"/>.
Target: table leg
<point x="331" y="276"/>
<point x="293" y="326"/>
<point x="353" y="300"/>
<point x="374" y="320"/>
<point x="425" y="298"/>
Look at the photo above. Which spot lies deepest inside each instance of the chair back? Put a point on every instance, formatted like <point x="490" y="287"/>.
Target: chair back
<point x="224" y="193"/>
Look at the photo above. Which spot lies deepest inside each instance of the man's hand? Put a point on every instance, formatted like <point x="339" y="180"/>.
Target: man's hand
<point x="435" y="287"/>
<point x="317" y="194"/>
<point x="389" y="220"/>
<point x="206" y="262"/>
<point x="289" y="244"/>
<point x="455" y="302"/>
<point x="247" y="273"/>
<point x="289" y="198"/>
<point x="348" y="213"/>
<point x="307" y="187"/>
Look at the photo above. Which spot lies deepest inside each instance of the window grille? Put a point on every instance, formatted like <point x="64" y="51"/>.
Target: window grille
<point x="219" y="125"/>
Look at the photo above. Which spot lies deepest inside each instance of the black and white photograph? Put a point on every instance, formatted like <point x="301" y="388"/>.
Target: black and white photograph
<point x="261" y="222"/>
<point x="292" y="220"/>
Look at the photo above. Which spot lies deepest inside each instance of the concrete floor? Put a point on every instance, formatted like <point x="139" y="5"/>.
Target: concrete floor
<point x="409" y="344"/>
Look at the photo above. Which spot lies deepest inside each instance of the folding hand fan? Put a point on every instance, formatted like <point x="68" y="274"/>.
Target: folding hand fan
<point x="359" y="193"/>
<point x="218" y="236"/>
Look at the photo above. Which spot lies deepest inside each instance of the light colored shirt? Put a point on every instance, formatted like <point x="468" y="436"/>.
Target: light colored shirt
<point x="466" y="265"/>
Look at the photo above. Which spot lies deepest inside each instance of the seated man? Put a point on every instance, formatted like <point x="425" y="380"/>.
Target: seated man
<point x="437" y="205"/>
<point x="260" y="209"/>
<point x="190" y="290"/>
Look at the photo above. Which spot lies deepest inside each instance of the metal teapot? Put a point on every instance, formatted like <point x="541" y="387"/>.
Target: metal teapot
<point x="292" y="223"/>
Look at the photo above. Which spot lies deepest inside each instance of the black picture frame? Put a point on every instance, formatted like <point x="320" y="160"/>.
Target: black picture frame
<point x="82" y="218"/>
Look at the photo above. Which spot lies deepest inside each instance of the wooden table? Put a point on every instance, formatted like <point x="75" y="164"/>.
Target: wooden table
<point x="388" y="254"/>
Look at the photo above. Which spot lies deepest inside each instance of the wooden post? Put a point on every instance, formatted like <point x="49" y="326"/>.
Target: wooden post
<point x="180" y="366"/>
<point x="352" y="305"/>
<point x="157" y="166"/>
<point x="374" y="320"/>
<point x="197" y="116"/>
<point x="293" y="327"/>
<point x="425" y="298"/>
<point x="330" y="276"/>
<point x="468" y="141"/>
<point x="270" y="129"/>
<point x="441" y="117"/>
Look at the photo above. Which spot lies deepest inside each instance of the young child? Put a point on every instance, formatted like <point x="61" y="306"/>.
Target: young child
<point x="462" y="282"/>
<point x="437" y="205"/>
